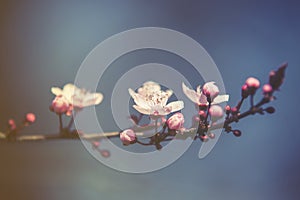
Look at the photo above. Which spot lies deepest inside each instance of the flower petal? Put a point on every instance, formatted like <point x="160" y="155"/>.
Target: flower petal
<point x="169" y="93"/>
<point x="92" y="99"/>
<point x="191" y="94"/>
<point x="132" y="93"/>
<point x="69" y="90"/>
<point x="175" y="105"/>
<point x="56" y="91"/>
<point x="220" y="99"/>
<point x="142" y="110"/>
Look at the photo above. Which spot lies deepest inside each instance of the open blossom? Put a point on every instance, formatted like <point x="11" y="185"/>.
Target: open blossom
<point x="154" y="102"/>
<point x="175" y="122"/>
<point x="127" y="136"/>
<point x="77" y="97"/>
<point x="200" y="98"/>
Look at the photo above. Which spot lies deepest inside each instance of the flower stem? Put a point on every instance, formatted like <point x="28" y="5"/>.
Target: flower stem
<point x="60" y="123"/>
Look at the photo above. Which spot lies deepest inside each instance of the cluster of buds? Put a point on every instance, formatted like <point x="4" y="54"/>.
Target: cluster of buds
<point x="249" y="89"/>
<point x="13" y="129"/>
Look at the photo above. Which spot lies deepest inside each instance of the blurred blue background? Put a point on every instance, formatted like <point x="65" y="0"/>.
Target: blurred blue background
<point x="43" y="44"/>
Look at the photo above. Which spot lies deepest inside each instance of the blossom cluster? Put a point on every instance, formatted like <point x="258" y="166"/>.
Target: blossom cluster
<point x="166" y="120"/>
<point x="151" y="100"/>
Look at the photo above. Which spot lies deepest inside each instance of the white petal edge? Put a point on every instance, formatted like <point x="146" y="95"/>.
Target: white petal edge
<point x="191" y="94"/>
<point x="221" y="98"/>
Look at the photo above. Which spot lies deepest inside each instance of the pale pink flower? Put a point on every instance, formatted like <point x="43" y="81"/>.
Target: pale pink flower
<point x="154" y="102"/>
<point x="127" y="136"/>
<point x="60" y="105"/>
<point x="79" y="98"/>
<point x="30" y="117"/>
<point x="252" y="82"/>
<point x="216" y="112"/>
<point x="175" y="122"/>
<point x="200" y="99"/>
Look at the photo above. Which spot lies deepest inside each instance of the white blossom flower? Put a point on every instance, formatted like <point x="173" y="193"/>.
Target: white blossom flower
<point x="154" y="101"/>
<point x="199" y="98"/>
<point x="77" y="97"/>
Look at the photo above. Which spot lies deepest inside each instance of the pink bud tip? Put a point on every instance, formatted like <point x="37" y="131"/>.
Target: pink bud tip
<point x="245" y="87"/>
<point x="30" y="117"/>
<point x="175" y="122"/>
<point x="96" y="144"/>
<point x="202" y="113"/>
<point x="204" y="138"/>
<point x="253" y="82"/>
<point x="227" y="108"/>
<point x="12" y="124"/>
<point x="267" y="88"/>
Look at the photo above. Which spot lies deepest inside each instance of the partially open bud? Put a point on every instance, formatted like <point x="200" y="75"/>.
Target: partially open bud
<point x="30" y="118"/>
<point x="252" y="82"/>
<point x="175" y="122"/>
<point x="128" y="136"/>
<point x="60" y="105"/>
<point x="216" y="112"/>
<point x="210" y="90"/>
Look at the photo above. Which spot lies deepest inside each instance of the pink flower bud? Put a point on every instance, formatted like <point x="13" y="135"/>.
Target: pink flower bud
<point x="202" y="114"/>
<point x="105" y="153"/>
<point x="175" y="122"/>
<point x="96" y="144"/>
<point x="252" y="82"/>
<point x="12" y="124"/>
<point x="216" y="112"/>
<point x="60" y="105"/>
<point x="245" y="92"/>
<point x="267" y="88"/>
<point x="210" y="90"/>
<point x="30" y="118"/>
<point x="127" y="136"/>
<point x="204" y="138"/>
<point x="228" y="109"/>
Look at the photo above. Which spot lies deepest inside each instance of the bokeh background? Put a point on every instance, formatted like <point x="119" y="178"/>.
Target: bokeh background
<point x="42" y="43"/>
